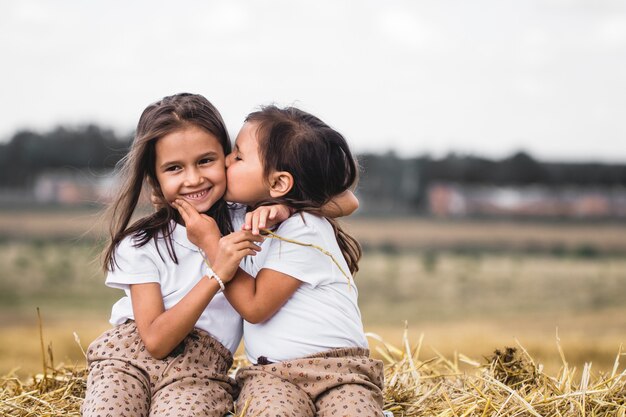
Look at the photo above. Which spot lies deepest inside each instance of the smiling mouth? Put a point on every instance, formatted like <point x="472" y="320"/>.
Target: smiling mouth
<point x="198" y="195"/>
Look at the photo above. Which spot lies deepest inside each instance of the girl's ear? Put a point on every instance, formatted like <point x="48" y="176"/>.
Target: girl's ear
<point x="281" y="182"/>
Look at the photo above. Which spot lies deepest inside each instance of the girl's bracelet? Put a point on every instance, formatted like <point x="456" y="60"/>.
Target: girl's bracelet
<point x="209" y="272"/>
<point x="219" y="281"/>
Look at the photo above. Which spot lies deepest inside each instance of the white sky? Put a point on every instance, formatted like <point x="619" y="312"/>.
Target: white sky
<point x="486" y="77"/>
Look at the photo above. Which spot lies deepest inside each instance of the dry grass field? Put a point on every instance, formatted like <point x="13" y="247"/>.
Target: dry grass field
<point x="468" y="286"/>
<point x="587" y="337"/>
<point x="493" y="235"/>
<point x="413" y="233"/>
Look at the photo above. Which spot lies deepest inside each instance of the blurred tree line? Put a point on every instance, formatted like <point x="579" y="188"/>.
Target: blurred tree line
<point x="28" y="154"/>
<point x="392" y="183"/>
<point x="389" y="181"/>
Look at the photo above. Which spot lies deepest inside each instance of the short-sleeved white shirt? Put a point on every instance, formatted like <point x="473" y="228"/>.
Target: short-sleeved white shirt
<point x="137" y="265"/>
<point x="323" y="313"/>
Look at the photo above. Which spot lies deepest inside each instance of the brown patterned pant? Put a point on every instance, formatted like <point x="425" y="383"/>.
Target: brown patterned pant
<point x="338" y="382"/>
<point x="124" y="380"/>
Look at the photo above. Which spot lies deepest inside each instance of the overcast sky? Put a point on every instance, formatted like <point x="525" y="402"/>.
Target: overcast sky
<point x="486" y="77"/>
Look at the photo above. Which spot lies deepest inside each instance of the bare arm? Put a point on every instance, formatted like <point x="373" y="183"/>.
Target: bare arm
<point x="255" y="299"/>
<point x="263" y="217"/>
<point x="162" y="330"/>
<point x="259" y="299"/>
<point x="341" y="205"/>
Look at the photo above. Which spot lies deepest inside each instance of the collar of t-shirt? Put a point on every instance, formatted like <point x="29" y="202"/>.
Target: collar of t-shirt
<point x="179" y="235"/>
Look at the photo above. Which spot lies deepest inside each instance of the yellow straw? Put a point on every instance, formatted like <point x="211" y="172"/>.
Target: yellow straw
<point x="273" y="235"/>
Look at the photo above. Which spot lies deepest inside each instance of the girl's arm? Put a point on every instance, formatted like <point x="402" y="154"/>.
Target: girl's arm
<point x="263" y="217"/>
<point x="162" y="330"/>
<point x="256" y="300"/>
<point x="341" y="205"/>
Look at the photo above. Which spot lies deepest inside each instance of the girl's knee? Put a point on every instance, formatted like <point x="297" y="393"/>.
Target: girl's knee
<point x="114" y="389"/>
<point x="351" y="399"/>
<point x="274" y="399"/>
<point x="188" y="397"/>
<point x="275" y="408"/>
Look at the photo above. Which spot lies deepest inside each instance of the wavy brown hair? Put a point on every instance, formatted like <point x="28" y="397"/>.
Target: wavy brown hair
<point x="318" y="158"/>
<point x="138" y="171"/>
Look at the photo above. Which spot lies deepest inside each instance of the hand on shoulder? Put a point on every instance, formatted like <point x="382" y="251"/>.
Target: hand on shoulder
<point x="265" y="217"/>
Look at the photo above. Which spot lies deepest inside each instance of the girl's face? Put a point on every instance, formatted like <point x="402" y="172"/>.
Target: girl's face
<point x="190" y="165"/>
<point x="246" y="181"/>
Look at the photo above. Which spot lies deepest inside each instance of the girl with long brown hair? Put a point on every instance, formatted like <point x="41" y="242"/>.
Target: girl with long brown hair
<point x="171" y="348"/>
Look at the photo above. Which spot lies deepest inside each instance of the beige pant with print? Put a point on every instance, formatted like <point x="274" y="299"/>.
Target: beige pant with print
<point x="338" y="382"/>
<point x="124" y="380"/>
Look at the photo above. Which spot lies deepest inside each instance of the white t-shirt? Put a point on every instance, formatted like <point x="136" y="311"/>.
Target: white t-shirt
<point x="322" y="314"/>
<point x="138" y="265"/>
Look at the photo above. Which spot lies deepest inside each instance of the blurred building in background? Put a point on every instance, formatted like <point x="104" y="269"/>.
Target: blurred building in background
<point x="460" y="200"/>
<point x="75" y="187"/>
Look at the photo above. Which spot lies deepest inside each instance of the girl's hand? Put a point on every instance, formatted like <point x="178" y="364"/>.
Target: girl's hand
<point x="231" y="250"/>
<point x="201" y="229"/>
<point x="266" y="216"/>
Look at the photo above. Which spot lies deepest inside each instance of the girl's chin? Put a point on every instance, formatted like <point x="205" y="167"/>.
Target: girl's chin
<point x="202" y="207"/>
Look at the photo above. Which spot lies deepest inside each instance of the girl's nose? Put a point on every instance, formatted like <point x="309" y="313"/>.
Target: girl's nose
<point x="228" y="160"/>
<point x="194" y="177"/>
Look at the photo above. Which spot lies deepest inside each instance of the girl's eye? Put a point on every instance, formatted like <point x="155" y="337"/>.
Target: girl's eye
<point x="172" y="168"/>
<point x="237" y="158"/>
<point x="205" y="161"/>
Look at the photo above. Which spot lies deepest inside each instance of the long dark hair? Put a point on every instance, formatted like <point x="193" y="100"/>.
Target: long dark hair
<point x="318" y="158"/>
<point x="137" y="171"/>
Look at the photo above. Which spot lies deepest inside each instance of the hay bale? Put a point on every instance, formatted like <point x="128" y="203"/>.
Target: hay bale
<point x="57" y="393"/>
<point x="506" y="384"/>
